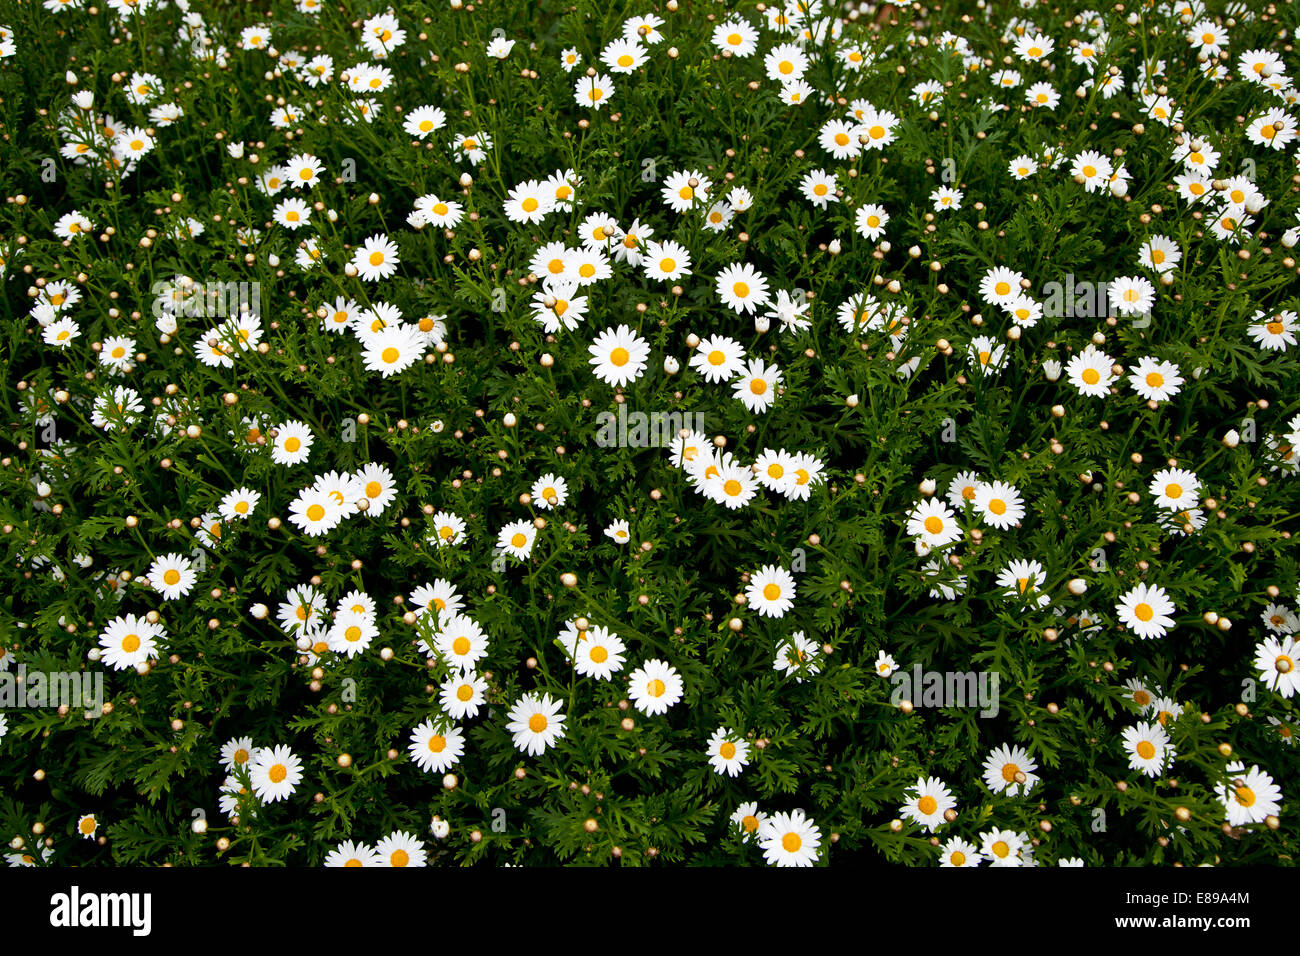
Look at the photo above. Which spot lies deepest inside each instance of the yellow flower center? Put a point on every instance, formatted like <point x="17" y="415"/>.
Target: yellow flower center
<point x="316" y="512"/>
<point x="171" y="576"/>
<point x="537" y="723"/>
<point x="791" y="843"/>
<point x="1091" y="376"/>
<point x="1146" y="750"/>
<point x="278" y="773"/>
<point x="390" y="355"/>
<point x="1144" y="612"/>
<point x="933" y="524"/>
<point x="772" y="591"/>
<point x="131" y="643"/>
<point x="518" y="540"/>
<point x="727" y="751"/>
<point x="656" y="688"/>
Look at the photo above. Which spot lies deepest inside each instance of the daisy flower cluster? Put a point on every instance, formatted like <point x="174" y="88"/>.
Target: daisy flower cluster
<point x="791" y="435"/>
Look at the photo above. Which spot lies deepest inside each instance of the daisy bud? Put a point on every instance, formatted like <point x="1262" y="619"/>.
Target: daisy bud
<point x="833" y="247"/>
<point x="569" y="579"/>
<point x="273" y="260"/>
<point x="852" y="401"/>
<point x="1290" y="237"/>
<point x="1209" y="617"/>
<point x="450" y="781"/>
<point x="894" y="285"/>
<point x="1224" y="624"/>
<point x="350" y="271"/>
<point x="547" y="360"/>
<point x="762" y="323"/>
<point x="1077" y="586"/>
<point x="1058" y="411"/>
<point x="509" y="420"/>
<point x="896" y="826"/>
<point x="466" y="180"/>
<point x="1231" y="439"/>
<point x="922" y="549"/>
<point x="1119" y="188"/>
<point x="692" y="340"/>
<point x="1225" y="750"/>
<point x="259" y="611"/>
<point x="1013" y="333"/>
<point x="672" y="50"/>
<point x="1051" y="370"/>
<point x="927" y="487"/>
<point x="671" y="365"/>
<point x="735" y="624"/>
<point x="440" y="828"/>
